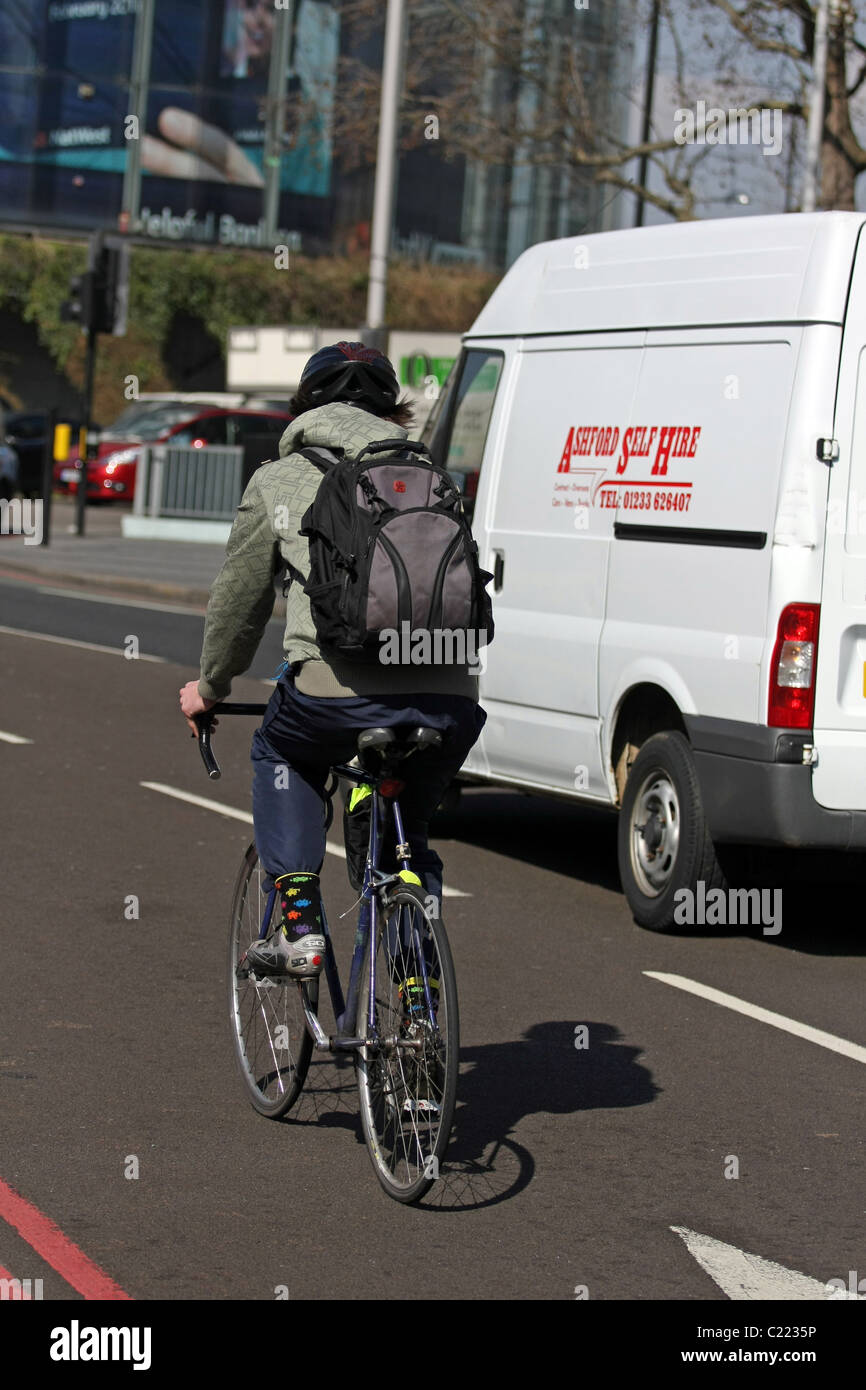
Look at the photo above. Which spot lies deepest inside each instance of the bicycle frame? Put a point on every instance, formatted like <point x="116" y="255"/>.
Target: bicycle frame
<point x="366" y="934"/>
<point x="367" y="930"/>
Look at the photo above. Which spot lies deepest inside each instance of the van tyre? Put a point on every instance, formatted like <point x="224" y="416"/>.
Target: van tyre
<point x="663" y="841"/>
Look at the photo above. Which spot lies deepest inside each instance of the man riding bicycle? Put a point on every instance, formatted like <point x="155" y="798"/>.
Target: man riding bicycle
<point x="346" y="399"/>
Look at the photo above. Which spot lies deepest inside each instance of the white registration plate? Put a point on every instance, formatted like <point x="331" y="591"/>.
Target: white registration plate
<point x="68" y="475"/>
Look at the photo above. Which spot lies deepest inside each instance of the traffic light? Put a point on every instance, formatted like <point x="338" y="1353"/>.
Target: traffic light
<point x="78" y="308"/>
<point x="110" y="281"/>
<point x="97" y="299"/>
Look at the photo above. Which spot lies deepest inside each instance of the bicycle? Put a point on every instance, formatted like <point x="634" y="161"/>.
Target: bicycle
<point x="400" y="1014"/>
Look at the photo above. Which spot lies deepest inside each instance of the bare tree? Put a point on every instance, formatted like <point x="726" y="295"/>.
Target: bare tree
<point x="784" y="32"/>
<point x="516" y="83"/>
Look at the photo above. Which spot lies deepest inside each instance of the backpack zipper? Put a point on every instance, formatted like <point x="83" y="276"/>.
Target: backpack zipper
<point x="435" y="612"/>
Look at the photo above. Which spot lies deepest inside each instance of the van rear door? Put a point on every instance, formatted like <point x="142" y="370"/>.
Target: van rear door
<point x="839" y="776"/>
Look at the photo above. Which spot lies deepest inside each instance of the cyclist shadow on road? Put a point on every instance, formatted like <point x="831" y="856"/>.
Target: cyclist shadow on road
<point x="552" y="1069"/>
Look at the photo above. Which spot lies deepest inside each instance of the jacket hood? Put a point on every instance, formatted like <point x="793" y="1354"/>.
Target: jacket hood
<point x="338" y="426"/>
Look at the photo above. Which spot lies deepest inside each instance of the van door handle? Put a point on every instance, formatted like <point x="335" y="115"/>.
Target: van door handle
<point x="498" y="567"/>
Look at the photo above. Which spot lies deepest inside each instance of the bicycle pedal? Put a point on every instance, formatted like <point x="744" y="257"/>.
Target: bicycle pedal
<point x="270" y="981"/>
<point x="421" y="1107"/>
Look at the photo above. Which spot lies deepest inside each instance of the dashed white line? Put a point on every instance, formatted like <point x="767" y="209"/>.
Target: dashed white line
<point x="72" y="642"/>
<point x="208" y="805"/>
<point x="788" y="1025"/>
<point x="13" y="738"/>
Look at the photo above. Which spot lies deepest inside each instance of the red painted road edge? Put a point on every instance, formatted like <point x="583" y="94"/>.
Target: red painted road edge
<point x="4" y="1274"/>
<point x="58" y="1250"/>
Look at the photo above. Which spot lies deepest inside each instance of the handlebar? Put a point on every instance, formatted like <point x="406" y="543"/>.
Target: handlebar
<point x="204" y="724"/>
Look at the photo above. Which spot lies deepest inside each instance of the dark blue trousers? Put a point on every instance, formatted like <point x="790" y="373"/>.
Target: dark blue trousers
<point x="302" y="736"/>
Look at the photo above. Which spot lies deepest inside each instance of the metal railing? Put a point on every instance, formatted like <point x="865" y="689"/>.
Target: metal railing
<point x="204" y="483"/>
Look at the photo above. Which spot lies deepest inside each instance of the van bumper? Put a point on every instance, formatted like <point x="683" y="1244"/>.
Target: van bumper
<point x="756" y="790"/>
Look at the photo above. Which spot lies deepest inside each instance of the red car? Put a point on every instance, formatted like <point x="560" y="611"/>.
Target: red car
<point x="111" y="475"/>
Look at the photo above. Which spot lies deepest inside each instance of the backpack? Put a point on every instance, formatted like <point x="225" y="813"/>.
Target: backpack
<point x="392" y="560"/>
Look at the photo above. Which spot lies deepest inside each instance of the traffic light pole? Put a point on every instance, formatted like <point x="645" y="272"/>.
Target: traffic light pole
<point x="93" y="261"/>
<point x="98" y="303"/>
<point x="86" y="408"/>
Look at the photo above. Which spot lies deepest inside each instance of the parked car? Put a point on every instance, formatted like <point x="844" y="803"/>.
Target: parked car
<point x="111" y="475"/>
<point x="668" y="431"/>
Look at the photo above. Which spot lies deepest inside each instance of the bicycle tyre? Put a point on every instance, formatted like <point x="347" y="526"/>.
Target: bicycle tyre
<point x="407" y="1103"/>
<point x="258" y="1010"/>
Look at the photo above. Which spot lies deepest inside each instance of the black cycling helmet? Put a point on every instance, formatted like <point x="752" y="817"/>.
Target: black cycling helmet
<point x="350" y="372"/>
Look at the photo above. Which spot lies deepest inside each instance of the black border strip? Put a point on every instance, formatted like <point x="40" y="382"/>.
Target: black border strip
<point x="689" y="535"/>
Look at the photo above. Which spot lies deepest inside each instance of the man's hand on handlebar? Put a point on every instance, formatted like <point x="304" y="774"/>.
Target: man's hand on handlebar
<point x="191" y="703"/>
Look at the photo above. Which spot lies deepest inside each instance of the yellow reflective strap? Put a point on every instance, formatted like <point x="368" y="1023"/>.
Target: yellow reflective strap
<point x="408" y="877"/>
<point x="359" y="794"/>
<point x="434" y="984"/>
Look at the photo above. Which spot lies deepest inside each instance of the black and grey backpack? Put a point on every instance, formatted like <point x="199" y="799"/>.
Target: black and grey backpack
<point x="391" y="554"/>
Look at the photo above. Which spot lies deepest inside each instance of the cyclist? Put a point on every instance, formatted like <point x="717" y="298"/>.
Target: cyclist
<point x="346" y="399"/>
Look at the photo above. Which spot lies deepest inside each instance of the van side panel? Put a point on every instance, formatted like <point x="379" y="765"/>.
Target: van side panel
<point x="690" y="565"/>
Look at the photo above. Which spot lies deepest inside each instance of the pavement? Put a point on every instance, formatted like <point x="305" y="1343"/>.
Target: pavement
<point x="105" y="559"/>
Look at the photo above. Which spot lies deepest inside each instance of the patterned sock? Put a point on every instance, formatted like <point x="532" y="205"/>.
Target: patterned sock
<point x="301" y="903"/>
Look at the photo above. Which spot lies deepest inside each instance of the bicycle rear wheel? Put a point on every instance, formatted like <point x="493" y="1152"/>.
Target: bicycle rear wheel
<point x="272" y="1045"/>
<point x="407" y="1096"/>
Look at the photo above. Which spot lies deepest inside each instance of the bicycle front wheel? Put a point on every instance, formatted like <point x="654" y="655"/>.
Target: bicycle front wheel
<point x="407" y="1071"/>
<point x="272" y="1045"/>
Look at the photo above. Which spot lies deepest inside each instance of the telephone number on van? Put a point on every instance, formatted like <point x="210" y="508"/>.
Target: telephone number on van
<point x="661" y="501"/>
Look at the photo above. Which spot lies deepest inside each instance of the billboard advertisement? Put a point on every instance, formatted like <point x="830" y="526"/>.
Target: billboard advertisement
<point x="64" y="136"/>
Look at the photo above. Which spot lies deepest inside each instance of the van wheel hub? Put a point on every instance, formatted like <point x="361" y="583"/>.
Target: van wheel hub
<point x="655" y="833"/>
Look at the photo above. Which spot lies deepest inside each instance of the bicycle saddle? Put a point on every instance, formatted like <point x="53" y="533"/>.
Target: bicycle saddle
<point x="382" y="739"/>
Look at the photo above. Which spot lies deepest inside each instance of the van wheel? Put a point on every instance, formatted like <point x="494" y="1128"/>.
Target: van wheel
<point x="663" y="844"/>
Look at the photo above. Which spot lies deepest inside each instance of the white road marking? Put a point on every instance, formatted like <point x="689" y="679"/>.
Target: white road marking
<point x="203" y="801"/>
<point x="71" y="642"/>
<point x="788" y="1025"/>
<point x="13" y="738"/>
<point x="125" y="602"/>
<point x="208" y="805"/>
<point x="745" y="1277"/>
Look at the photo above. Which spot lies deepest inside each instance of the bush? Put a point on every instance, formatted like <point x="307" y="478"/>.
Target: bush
<point x="222" y="290"/>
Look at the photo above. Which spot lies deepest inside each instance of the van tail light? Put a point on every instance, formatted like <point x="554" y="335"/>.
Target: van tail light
<point x="792" y="674"/>
<point x="470" y="487"/>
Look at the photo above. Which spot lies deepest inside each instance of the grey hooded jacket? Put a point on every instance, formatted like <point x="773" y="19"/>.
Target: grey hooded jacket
<point x="263" y="538"/>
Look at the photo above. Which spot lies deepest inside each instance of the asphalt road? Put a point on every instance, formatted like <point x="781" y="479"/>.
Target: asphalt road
<point x="571" y="1164"/>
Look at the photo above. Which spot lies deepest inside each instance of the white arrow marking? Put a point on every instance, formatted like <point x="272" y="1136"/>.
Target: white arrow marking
<point x="13" y="738"/>
<point x="740" y="1006"/>
<point x="742" y="1276"/>
<point x="245" y="816"/>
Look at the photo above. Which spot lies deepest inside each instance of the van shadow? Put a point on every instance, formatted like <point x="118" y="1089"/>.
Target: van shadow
<point x="821" y="892"/>
<point x="814" y="898"/>
<point x="567" y="838"/>
<point x="500" y="1084"/>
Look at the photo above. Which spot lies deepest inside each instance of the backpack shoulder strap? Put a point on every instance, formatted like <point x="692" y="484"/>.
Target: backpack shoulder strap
<point x="323" y="459"/>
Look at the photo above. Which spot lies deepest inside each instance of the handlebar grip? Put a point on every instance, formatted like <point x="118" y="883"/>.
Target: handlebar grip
<point x="204" y="723"/>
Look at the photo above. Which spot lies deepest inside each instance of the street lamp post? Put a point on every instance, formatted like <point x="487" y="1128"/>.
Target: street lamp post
<point x="139" y="81"/>
<point x="386" y="168"/>
<point x="816" y="109"/>
<point x="275" y="124"/>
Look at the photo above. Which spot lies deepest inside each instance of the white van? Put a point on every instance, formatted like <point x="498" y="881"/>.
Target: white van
<point x="667" y="429"/>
